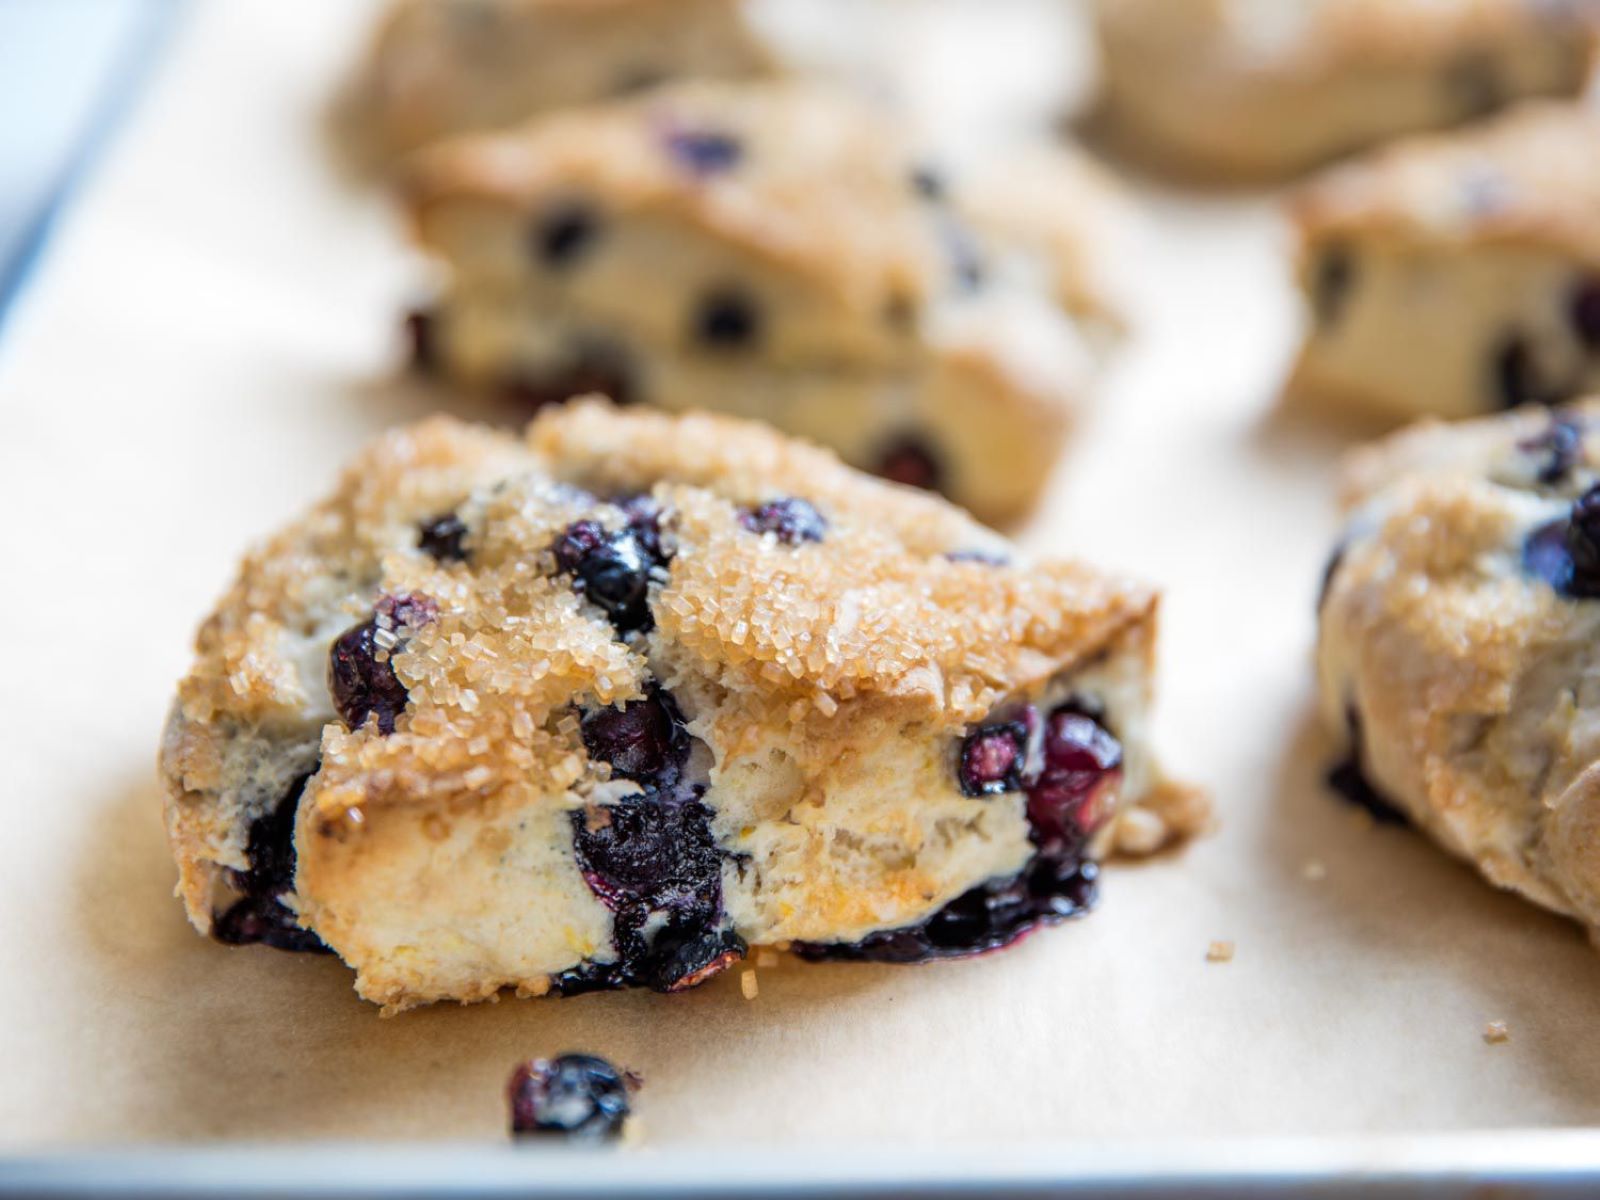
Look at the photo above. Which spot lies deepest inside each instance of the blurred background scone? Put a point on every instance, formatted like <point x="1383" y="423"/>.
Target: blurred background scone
<point x="1460" y="643"/>
<point x="439" y="67"/>
<point x="603" y="706"/>
<point x="1457" y="274"/>
<point x="1267" y="88"/>
<point x="778" y="251"/>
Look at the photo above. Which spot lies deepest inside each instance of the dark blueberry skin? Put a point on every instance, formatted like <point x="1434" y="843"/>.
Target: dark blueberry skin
<point x="572" y="1095"/>
<point x="422" y="338"/>
<point x="704" y="152"/>
<point x="989" y="558"/>
<point x="1349" y="780"/>
<point x="1566" y="554"/>
<point x="1560" y="446"/>
<point x="612" y="567"/>
<point x="1516" y="375"/>
<point x="966" y="260"/>
<point x="442" y="538"/>
<point x="362" y="683"/>
<point x="560" y="237"/>
<point x="1081" y="762"/>
<point x="791" y="520"/>
<point x="1335" y="561"/>
<point x="1332" y="278"/>
<point x="259" y="915"/>
<point x="908" y="460"/>
<point x="644" y="740"/>
<point x="651" y="855"/>
<point x="1583" y="310"/>
<point x="727" y="320"/>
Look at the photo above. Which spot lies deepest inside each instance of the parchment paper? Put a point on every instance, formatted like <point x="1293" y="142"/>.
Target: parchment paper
<point x="213" y="332"/>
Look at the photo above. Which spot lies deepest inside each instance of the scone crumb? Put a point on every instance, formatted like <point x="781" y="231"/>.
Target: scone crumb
<point x="1496" y="1032"/>
<point x="749" y="985"/>
<point x="766" y="959"/>
<point x="1314" y="870"/>
<point x="1219" y="951"/>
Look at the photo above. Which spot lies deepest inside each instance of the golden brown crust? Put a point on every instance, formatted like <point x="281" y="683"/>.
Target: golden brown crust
<point x="1531" y="177"/>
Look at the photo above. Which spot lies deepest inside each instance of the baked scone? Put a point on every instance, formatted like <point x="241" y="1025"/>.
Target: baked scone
<point x="1460" y="643"/>
<point x="1457" y="274"/>
<point x="442" y="67"/>
<point x="778" y="251"/>
<point x="605" y="705"/>
<point x="1258" y="89"/>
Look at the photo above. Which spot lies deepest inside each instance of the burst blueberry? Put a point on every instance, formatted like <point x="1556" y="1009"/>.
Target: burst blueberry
<point x="992" y="759"/>
<point x="442" y="538"/>
<point x="612" y="569"/>
<point x="644" y="740"/>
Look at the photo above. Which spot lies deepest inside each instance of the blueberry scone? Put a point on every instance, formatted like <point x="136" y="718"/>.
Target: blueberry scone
<point x="441" y="67"/>
<point x="778" y="251"/>
<point x="1459" y="273"/>
<point x="605" y="705"/>
<point x="1267" y="88"/>
<point x="1460" y="643"/>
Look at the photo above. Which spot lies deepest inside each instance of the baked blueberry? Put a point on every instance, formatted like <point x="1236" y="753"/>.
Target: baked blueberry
<point x="612" y="569"/>
<point x="422" y="341"/>
<point x="361" y="674"/>
<point x="790" y="519"/>
<point x="442" y="537"/>
<point x="727" y="319"/>
<point x="1333" y="277"/>
<point x="908" y="460"/>
<point x="560" y="237"/>
<point x="644" y="740"/>
<point x="1558" y="447"/>
<point x="1583" y="310"/>
<point x="1516" y="375"/>
<point x="704" y="151"/>
<point x="572" y="1095"/>
<point x="259" y="915"/>
<point x="992" y="758"/>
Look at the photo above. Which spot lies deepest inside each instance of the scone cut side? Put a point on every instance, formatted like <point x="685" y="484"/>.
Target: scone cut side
<point x="1457" y="274"/>
<point x="1457" y="643"/>
<point x="606" y="705"/>
<point x="779" y="251"/>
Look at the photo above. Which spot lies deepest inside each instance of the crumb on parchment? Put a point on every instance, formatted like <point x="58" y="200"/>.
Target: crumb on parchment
<point x="1219" y="951"/>
<point x="1496" y="1033"/>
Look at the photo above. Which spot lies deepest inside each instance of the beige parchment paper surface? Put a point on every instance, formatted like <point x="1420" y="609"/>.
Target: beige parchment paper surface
<point x="212" y="333"/>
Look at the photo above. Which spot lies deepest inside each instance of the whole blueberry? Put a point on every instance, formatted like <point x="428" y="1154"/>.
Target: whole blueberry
<point x="1583" y="310"/>
<point x="572" y="1095"/>
<point x="644" y="740"/>
<point x="910" y="461"/>
<point x="704" y="151"/>
<point x="1583" y="543"/>
<point x="441" y="538"/>
<point x="612" y="569"/>
<point x="727" y="319"/>
<point x="790" y="519"/>
<point x="361" y="676"/>
<point x="1332" y="278"/>
<point x="561" y="236"/>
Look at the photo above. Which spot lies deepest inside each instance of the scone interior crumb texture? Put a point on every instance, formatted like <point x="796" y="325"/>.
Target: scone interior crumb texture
<point x="611" y="703"/>
<point x="780" y="251"/>
<point x="1457" y="647"/>
<point x="1259" y="89"/>
<point x="1457" y="274"/>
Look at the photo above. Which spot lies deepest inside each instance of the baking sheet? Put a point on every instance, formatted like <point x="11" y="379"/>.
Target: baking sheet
<point x="213" y="332"/>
